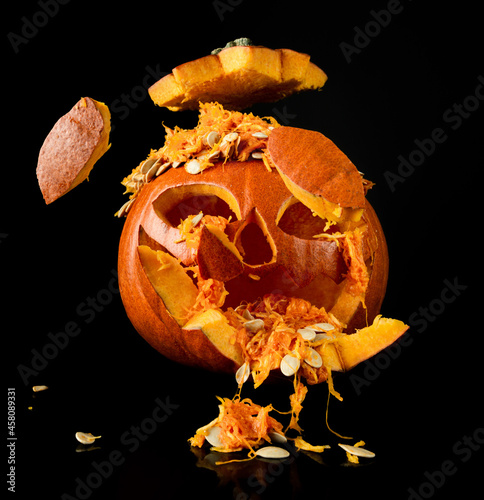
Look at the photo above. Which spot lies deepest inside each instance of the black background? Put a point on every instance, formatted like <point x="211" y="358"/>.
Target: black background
<point x="413" y="406"/>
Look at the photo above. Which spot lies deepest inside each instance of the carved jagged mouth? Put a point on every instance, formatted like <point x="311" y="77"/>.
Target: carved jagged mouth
<point x="321" y="292"/>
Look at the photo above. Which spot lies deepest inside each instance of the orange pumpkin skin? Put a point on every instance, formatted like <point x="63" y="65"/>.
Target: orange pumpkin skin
<point x="255" y="190"/>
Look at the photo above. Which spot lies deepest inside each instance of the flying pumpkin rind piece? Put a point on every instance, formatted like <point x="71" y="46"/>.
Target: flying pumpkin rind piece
<point x="237" y="77"/>
<point x="75" y="143"/>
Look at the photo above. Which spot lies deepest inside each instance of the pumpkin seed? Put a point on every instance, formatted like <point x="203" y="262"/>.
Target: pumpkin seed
<point x="355" y="450"/>
<point x="213" y="436"/>
<point x="307" y="333"/>
<point x="322" y="336"/>
<point x="162" y="168"/>
<point x="242" y="374"/>
<point x="254" y="325"/>
<point x="197" y="219"/>
<point x="229" y="144"/>
<point x="325" y="327"/>
<point x="151" y="172"/>
<point x="315" y="359"/>
<point x="39" y="388"/>
<point x="147" y="164"/>
<point x="277" y="437"/>
<point x="213" y="156"/>
<point x="231" y="137"/>
<point x="86" y="437"/>
<point x="193" y="166"/>
<point x="138" y="177"/>
<point x="211" y="138"/>
<point x="132" y="186"/>
<point x="125" y="208"/>
<point x="247" y="315"/>
<point x="289" y="365"/>
<point x="257" y="155"/>
<point x="272" y="452"/>
<point x="260" y="135"/>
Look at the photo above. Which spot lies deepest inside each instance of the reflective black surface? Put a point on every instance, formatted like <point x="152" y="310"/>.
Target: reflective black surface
<point x="405" y="104"/>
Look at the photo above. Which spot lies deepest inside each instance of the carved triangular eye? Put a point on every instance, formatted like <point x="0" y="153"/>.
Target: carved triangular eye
<point x="296" y="219"/>
<point x="177" y="203"/>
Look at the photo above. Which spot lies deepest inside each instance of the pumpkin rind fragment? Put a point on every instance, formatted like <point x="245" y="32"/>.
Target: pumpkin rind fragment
<point x="347" y="351"/>
<point x="317" y="173"/>
<point x="216" y="327"/>
<point x="70" y="150"/>
<point x="170" y="281"/>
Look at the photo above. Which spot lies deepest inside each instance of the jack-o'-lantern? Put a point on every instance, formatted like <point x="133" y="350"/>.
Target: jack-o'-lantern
<point x="249" y="247"/>
<point x="275" y="234"/>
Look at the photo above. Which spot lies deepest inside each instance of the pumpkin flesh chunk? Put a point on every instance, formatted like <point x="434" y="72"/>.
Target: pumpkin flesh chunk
<point x="347" y="351"/>
<point x="215" y="326"/>
<point x="170" y="281"/>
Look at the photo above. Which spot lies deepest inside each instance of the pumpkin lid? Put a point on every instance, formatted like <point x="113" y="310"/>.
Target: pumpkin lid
<point x="237" y="77"/>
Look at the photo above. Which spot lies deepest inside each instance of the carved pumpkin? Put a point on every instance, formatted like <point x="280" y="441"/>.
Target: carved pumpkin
<point x="292" y="228"/>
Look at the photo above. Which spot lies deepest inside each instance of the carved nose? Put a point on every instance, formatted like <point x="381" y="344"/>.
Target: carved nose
<point x="217" y="257"/>
<point x="253" y="241"/>
<point x="223" y="255"/>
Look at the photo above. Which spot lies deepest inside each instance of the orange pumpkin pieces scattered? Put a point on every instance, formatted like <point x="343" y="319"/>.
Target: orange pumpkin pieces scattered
<point x="237" y="77"/>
